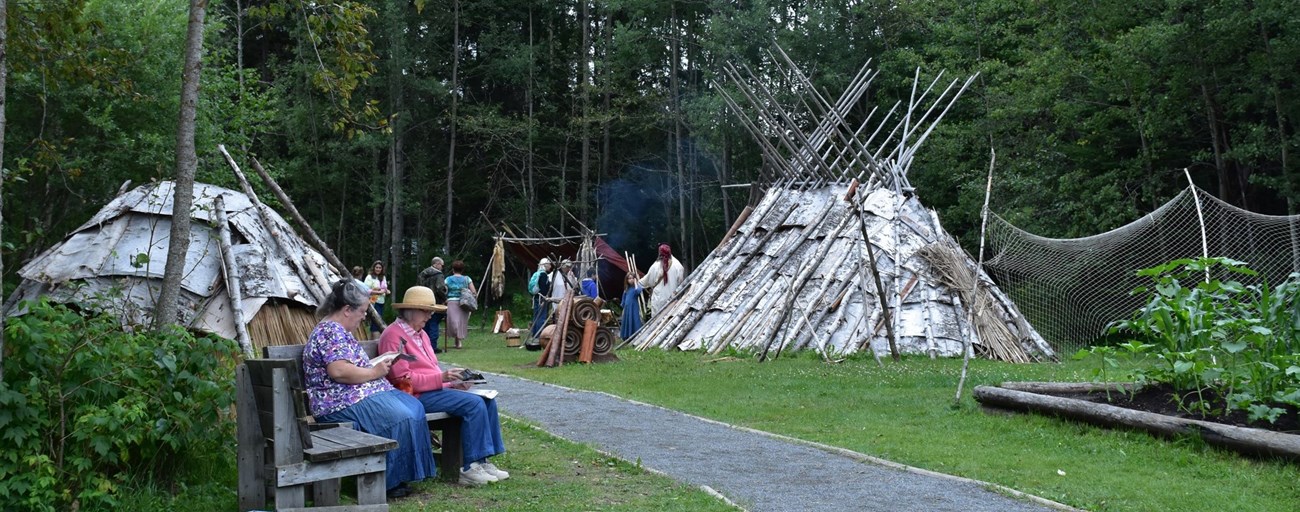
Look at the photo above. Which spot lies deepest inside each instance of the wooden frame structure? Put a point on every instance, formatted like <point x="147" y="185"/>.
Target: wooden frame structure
<point x="839" y="255"/>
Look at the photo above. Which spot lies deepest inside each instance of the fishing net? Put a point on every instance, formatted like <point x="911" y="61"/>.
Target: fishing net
<point x="1070" y="289"/>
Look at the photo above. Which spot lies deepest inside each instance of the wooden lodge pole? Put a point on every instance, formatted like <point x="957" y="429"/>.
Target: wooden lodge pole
<point x="875" y="274"/>
<point x="310" y="233"/>
<point x="291" y="259"/>
<point x="231" y="269"/>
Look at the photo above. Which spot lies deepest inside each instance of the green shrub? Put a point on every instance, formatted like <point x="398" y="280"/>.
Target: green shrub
<point x="86" y="406"/>
<point x="1240" y="341"/>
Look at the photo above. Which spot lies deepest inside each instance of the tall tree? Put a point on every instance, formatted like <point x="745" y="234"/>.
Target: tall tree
<point x="186" y="162"/>
<point x="4" y="66"/>
<point x="584" y="90"/>
<point x="451" y="146"/>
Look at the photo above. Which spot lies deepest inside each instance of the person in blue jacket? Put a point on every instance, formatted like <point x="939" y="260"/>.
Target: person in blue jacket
<point x="589" y="287"/>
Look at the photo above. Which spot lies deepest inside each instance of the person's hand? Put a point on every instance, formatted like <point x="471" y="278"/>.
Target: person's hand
<point x="382" y="367"/>
<point x="461" y="385"/>
<point x="452" y="374"/>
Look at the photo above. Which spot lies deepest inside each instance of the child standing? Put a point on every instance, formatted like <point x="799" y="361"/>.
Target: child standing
<point x="631" y="307"/>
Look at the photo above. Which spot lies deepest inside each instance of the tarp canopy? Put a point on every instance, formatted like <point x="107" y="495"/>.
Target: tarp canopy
<point x="611" y="267"/>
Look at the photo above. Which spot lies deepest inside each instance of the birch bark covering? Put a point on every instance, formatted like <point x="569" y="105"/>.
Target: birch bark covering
<point x="792" y="275"/>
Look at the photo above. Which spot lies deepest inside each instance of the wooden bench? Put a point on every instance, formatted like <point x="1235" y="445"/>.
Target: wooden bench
<point x="448" y="445"/>
<point x="282" y="451"/>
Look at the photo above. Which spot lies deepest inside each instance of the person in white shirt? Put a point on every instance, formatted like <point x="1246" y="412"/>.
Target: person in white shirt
<point x="662" y="278"/>
<point x="562" y="280"/>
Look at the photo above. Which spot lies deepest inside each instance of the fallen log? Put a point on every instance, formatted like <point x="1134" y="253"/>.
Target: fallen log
<point x="1248" y="440"/>
<point x="1071" y="387"/>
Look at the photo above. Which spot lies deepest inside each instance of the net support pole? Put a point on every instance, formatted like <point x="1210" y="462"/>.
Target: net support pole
<point x="1205" y="244"/>
<point x="979" y="264"/>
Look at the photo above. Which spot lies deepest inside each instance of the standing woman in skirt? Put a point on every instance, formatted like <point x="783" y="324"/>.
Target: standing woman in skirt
<point x="343" y="385"/>
<point x="457" y="317"/>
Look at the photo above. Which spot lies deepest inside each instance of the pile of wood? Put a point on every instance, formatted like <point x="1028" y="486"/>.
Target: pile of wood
<point x="575" y="332"/>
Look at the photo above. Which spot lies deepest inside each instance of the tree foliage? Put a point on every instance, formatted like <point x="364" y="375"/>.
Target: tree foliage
<point x="85" y="406"/>
<point x="1094" y="110"/>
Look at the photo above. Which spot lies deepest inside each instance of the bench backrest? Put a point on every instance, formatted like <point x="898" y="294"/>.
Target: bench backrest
<point x="277" y="383"/>
<point x="295" y="351"/>
<point x="289" y="357"/>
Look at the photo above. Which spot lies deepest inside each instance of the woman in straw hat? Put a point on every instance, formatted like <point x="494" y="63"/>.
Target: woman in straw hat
<point x="443" y="391"/>
<point x="343" y="384"/>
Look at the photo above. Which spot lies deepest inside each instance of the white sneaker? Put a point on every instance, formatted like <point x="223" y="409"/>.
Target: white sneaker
<point x="476" y="475"/>
<point x="493" y="470"/>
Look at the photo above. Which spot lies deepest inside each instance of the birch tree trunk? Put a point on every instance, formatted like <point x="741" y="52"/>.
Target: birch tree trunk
<point x="186" y="161"/>
<point x="673" y="87"/>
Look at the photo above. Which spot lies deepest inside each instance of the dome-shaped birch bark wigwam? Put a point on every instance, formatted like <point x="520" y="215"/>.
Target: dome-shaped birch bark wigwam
<point x="794" y="272"/>
<point x="115" y="262"/>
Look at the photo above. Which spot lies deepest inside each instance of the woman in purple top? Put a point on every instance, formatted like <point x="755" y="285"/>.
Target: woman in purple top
<point x="343" y="385"/>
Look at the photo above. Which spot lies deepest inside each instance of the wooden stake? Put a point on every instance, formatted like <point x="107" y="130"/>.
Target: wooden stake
<point x="273" y="229"/>
<point x="231" y="269"/>
<point x="310" y="233"/>
<point x="588" y="341"/>
<point x="984" y="215"/>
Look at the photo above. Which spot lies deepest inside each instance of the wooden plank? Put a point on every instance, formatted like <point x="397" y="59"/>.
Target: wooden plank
<point x="325" y="493"/>
<point x="295" y="351"/>
<point x="588" y="341"/>
<point x="308" y="472"/>
<point x="283" y="352"/>
<point x="452" y="458"/>
<point x="337" y="443"/>
<point x="289" y="497"/>
<point x="370" y="490"/>
<point x="251" y="443"/>
<point x="344" y="508"/>
<point x="435" y="416"/>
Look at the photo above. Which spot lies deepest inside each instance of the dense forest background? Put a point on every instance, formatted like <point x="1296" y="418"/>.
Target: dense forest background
<point x="405" y="129"/>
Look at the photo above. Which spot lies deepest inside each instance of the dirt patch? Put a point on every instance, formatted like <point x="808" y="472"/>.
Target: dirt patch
<point x="1163" y="400"/>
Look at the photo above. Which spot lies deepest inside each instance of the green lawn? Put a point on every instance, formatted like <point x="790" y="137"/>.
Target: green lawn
<point x="904" y="412"/>
<point x="546" y="473"/>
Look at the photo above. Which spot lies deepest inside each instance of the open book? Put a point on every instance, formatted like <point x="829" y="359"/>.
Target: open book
<point x="390" y="357"/>
<point x="485" y="393"/>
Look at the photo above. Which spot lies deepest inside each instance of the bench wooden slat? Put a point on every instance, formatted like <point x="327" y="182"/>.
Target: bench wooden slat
<point x="270" y="395"/>
<point x="344" y="508"/>
<point x="308" y="472"/>
<point x="336" y="443"/>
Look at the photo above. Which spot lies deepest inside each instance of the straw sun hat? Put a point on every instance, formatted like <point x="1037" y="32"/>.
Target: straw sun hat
<point x="420" y="297"/>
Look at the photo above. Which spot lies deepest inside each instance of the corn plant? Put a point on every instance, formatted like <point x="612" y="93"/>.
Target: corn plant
<point x="1238" y="341"/>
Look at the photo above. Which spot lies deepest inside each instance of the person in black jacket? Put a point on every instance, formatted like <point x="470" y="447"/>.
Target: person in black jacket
<point x="433" y="279"/>
<point x="540" y="288"/>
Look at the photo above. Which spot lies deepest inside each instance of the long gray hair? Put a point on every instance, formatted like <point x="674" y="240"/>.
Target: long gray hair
<point x="345" y="292"/>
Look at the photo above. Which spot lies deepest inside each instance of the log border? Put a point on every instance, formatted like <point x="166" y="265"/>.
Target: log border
<point x="1241" y="439"/>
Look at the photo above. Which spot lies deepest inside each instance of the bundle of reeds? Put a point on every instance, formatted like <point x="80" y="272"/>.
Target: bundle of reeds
<point x="950" y="268"/>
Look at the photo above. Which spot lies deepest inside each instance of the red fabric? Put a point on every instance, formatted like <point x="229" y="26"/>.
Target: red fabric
<point x="612" y="271"/>
<point x="665" y="257"/>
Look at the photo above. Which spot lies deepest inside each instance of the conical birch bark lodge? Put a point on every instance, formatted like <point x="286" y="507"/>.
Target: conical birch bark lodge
<point x="794" y="274"/>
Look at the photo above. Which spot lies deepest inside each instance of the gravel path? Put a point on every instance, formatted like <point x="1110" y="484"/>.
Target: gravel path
<point x="755" y="470"/>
